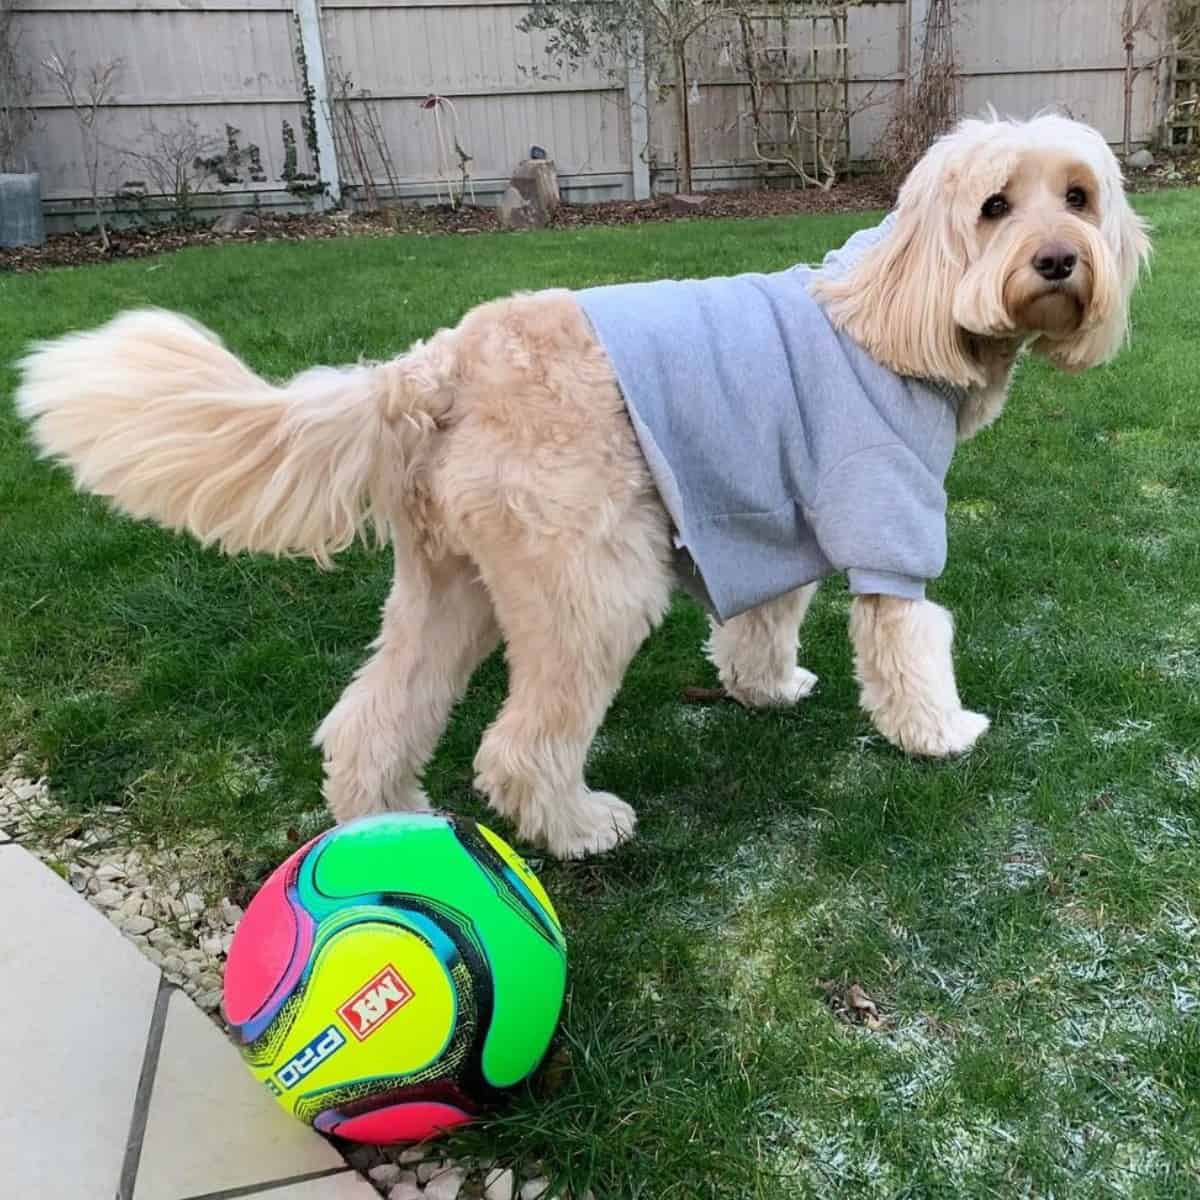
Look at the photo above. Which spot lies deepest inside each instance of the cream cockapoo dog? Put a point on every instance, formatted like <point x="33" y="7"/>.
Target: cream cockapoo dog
<point x="522" y="501"/>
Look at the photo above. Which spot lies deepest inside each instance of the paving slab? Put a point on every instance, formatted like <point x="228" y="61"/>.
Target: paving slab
<point x="347" y="1186"/>
<point x="78" y="1001"/>
<point x="212" y="1126"/>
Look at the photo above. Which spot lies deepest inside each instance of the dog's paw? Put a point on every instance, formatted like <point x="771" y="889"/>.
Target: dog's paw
<point x="599" y="822"/>
<point x="775" y="695"/>
<point x="798" y="687"/>
<point x="942" y="736"/>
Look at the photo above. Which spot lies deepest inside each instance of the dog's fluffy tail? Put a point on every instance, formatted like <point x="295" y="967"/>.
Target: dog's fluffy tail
<point x="152" y="411"/>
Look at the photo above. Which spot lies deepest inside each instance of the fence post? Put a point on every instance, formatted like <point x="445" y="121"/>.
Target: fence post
<point x="308" y="14"/>
<point x="639" y="114"/>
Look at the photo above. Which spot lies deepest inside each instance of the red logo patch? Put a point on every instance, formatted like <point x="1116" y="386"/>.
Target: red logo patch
<point x="374" y="1002"/>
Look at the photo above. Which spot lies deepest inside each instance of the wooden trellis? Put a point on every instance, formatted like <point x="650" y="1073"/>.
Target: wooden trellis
<point x="1182" y="123"/>
<point x="796" y="58"/>
<point x="1183" y="118"/>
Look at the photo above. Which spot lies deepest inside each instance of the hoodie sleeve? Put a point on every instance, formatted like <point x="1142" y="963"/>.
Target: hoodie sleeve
<point x="880" y="516"/>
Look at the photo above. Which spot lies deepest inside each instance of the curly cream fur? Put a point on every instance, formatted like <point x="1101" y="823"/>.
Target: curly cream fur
<point x="499" y="460"/>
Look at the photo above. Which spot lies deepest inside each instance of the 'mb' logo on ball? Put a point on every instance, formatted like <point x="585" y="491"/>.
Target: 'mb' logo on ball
<point x="374" y="1002"/>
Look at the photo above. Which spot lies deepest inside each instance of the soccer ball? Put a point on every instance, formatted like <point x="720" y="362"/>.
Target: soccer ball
<point x="395" y="976"/>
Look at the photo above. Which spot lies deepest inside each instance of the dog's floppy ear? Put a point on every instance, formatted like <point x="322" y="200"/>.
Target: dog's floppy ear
<point x="897" y="300"/>
<point x="1122" y="249"/>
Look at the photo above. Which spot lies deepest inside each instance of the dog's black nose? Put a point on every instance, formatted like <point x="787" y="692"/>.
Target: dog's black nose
<point x="1055" y="261"/>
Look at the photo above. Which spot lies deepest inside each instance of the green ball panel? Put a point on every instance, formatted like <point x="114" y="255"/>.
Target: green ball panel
<point x="422" y="855"/>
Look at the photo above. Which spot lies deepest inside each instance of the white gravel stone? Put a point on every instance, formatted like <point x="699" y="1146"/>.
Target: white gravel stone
<point x="385" y="1174"/>
<point x="138" y="924"/>
<point x="107" y="872"/>
<point x="209" y="1001"/>
<point x="191" y="970"/>
<point x="193" y="903"/>
<point x="23" y="789"/>
<point x="162" y="938"/>
<point x="171" y="963"/>
<point x="108" y="898"/>
<point x="446" y="1184"/>
<point x="427" y="1170"/>
<point x="231" y="913"/>
<point x="536" y="1189"/>
<point x="405" y="1190"/>
<point x="211" y="946"/>
<point x="498" y="1184"/>
<point x="77" y="877"/>
<point x="414" y="1154"/>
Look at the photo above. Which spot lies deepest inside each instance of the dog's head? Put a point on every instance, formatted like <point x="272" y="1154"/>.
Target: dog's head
<point x="1005" y="232"/>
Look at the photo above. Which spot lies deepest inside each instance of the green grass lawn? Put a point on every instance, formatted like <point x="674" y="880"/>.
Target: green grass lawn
<point x="1027" y="920"/>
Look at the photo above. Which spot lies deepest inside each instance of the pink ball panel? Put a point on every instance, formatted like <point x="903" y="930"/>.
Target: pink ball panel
<point x="413" y="1122"/>
<point x="264" y="944"/>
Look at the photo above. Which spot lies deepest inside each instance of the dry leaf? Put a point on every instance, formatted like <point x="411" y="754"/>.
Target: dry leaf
<point x="860" y="1002"/>
<point x="852" y="1005"/>
<point x="555" y="1072"/>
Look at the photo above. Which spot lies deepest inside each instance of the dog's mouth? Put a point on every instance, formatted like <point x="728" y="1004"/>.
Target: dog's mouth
<point x="1055" y="309"/>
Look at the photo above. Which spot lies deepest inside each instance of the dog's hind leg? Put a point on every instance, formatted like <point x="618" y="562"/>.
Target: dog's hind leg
<point x="572" y="618"/>
<point x="438" y="626"/>
<point x="755" y="653"/>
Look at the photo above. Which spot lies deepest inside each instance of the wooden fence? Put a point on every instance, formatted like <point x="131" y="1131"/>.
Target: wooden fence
<point x="257" y="81"/>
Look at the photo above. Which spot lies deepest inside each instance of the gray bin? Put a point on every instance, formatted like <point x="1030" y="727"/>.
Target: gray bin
<point x="21" y="211"/>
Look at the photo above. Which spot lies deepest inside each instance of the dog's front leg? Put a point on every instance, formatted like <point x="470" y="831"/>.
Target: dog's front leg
<point x="755" y="653"/>
<point x="902" y="651"/>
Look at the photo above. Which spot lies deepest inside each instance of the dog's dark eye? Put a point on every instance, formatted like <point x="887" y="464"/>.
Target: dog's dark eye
<point x="993" y="207"/>
<point x="1076" y="197"/>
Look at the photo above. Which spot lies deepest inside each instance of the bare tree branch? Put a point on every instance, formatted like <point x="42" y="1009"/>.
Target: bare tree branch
<point x="86" y="98"/>
<point x="181" y="163"/>
<point x="16" y="88"/>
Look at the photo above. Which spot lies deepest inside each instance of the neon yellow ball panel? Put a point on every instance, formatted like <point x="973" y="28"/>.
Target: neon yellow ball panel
<point x="517" y="863"/>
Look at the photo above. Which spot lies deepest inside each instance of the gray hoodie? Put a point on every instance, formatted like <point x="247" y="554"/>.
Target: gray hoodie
<point x="782" y="452"/>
